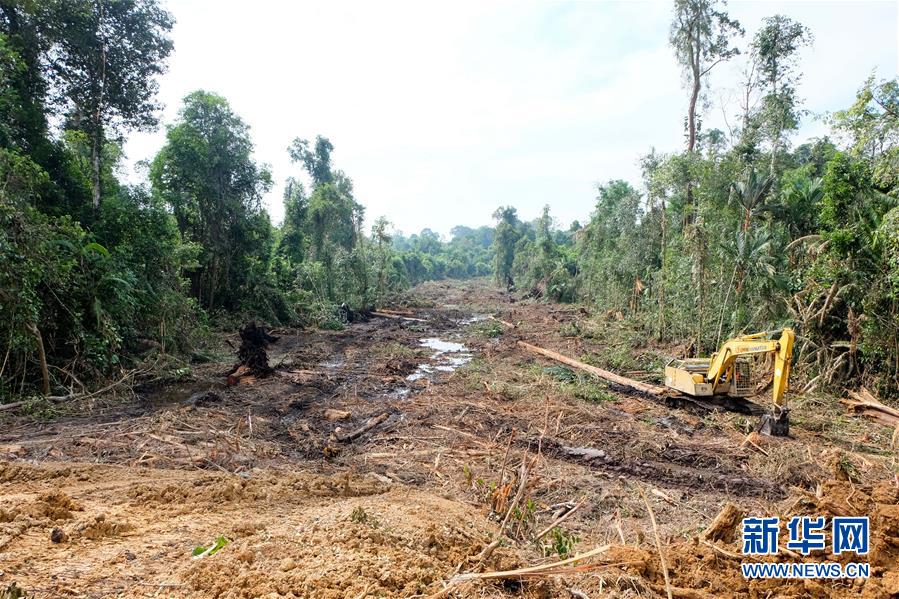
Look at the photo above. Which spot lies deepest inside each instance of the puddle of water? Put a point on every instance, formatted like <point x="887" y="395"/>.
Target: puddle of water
<point x="448" y="356"/>
<point x="333" y="363"/>
<point x="473" y="319"/>
<point x="442" y="346"/>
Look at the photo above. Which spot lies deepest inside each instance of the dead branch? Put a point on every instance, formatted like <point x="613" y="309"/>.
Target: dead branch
<point x="397" y="312"/>
<point x="561" y="519"/>
<point x="396" y="316"/>
<point x="73" y="397"/>
<point x="502" y="322"/>
<point x="551" y="569"/>
<point x="655" y="532"/>
<point x="370" y="424"/>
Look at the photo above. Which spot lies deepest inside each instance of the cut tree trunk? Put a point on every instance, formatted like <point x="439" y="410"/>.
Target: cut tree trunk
<point x="603" y="374"/>
<point x="42" y="358"/>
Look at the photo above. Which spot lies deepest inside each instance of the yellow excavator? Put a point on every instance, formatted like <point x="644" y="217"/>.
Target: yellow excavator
<point x="728" y="373"/>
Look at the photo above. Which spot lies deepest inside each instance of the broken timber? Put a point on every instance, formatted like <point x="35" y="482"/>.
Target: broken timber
<point x="654" y="390"/>
<point x="868" y="405"/>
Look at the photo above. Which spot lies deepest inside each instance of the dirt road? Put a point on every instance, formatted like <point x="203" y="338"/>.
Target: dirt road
<point x="471" y="434"/>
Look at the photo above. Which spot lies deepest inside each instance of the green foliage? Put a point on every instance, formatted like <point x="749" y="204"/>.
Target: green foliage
<point x="360" y="516"/>
<point x="489" y="329"/>
<point x="561" y="543"/>
<point x="506" y="236"/>
<point x="215" y="547"/>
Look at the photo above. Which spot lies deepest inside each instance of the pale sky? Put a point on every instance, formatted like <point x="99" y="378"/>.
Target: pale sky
<point x="442" y="111"/>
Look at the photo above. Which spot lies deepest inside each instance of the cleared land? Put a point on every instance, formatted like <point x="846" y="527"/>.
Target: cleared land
<point x="486" y="436"/>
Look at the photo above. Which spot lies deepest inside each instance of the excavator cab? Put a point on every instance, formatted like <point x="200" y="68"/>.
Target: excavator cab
<point x="728" y="372"/>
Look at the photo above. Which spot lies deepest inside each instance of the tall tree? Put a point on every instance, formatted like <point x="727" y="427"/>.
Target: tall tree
<point x="317" y="160"/>
<point x="701" y="36"/>
<point x="774" y="50"/>
<point x="207" y="175"/>
<point x="293" y="230"/>
<point x="104" y="62"/>
<point x="506" y="236"/>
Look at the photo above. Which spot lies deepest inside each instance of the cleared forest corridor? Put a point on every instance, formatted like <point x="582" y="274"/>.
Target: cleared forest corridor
<point x="116" y="502"/>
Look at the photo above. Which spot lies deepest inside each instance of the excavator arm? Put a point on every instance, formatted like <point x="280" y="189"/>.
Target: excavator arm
<point x="726" y="374"/>
<point x="721" y="369"/>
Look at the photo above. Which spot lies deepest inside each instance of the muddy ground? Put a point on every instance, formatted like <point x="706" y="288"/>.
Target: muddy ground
<point x="113" y="502"/>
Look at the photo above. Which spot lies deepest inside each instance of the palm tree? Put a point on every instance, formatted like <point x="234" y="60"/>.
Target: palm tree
<point x="751" y="195"/>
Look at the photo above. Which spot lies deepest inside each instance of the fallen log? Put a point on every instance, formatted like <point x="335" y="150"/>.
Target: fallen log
<point x="603" y="374"/>
<point x="397" y="312"/>
<point x="372" y="423"/>
<point x="502" y="322"/>
<point x="395" y="316"/>
<point x="866" y="400"/>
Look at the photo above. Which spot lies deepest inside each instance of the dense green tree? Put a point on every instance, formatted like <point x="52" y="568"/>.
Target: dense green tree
<point x="206" y="173"/>
<point x="506" y="236"/>
<point x="104" y="60"/>
<point x="872" y="127"/>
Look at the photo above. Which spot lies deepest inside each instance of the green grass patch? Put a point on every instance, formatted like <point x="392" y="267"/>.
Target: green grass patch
<point x="488" y="329"/>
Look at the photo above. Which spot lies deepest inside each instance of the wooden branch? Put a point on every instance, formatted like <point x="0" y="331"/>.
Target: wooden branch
<point x="71" y="397"/>
<point x="502" y="322"/>
<point x="554" y="568"/>
<point x="599" y="372"/>
<point x="397" y="312"/>
<point x="655" y="531"/>
<point x="372" y="423"/>
<point x="561" y="519"/>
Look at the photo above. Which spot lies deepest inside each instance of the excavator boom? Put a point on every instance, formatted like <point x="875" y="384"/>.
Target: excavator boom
<point x="727" y="372"/>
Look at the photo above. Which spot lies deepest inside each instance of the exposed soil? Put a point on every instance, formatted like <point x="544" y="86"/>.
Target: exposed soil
<point x="114" y="503"/>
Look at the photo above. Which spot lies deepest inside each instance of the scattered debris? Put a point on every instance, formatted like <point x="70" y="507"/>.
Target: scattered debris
<point x="381" y="314"/>
<point x="724" y="526"/>
<point x="545" y="570"/>
<point x="202" y="398"/>
<point x="215" y="547"/>
<point x="13" y="591"/>
<point x="478" y="474"/>
<point x="57" y="535"/>
<point x="332" y="414"/>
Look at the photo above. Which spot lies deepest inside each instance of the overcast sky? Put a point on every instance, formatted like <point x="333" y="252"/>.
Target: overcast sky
<point x="442" y="111"/>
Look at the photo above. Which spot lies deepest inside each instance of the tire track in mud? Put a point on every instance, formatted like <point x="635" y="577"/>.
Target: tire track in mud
<point x="675" y="467"/>
<point x="669" y="473"/>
